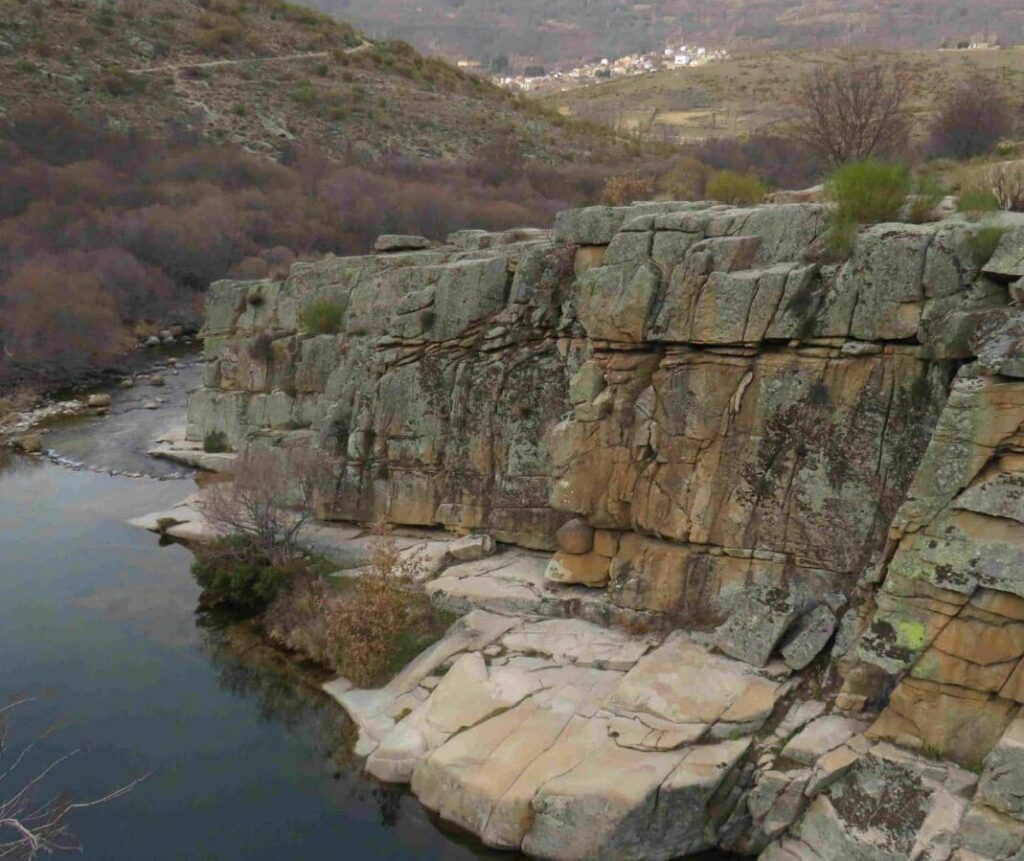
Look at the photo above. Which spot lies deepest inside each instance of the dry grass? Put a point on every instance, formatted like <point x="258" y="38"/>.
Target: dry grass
<point x="747" y="94"/>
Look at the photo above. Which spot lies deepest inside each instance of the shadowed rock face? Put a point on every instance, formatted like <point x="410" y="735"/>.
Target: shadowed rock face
<point x="711" y="428"/>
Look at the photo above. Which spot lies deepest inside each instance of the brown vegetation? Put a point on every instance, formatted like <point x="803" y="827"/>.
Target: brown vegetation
<point x="1002" y="184"/>
<point x="621" y="190"/>
<point x="101" y="230"/>
<point x="853" y="112"/>
<point x="366" y="627"/>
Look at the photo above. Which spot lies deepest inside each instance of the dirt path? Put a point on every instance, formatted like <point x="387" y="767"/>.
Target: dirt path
<point x="283" y="58"/>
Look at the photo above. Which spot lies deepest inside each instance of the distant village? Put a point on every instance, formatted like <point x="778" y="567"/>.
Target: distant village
<point x="977" y="42"/>
<point x="536" y="77"/>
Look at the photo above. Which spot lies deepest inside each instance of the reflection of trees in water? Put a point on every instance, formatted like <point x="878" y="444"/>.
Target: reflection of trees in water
<point x="13" y="464"/>
<point x="288" y="696"/>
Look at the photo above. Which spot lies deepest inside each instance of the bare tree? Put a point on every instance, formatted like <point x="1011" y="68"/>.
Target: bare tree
<point x="854" y="111"/>
<point x="31" y="826"/>
<point x="971" y="119"/>
<point x="272" y="497"/>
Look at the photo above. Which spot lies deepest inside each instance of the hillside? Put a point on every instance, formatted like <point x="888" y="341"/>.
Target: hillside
<point x="572" y="30"/>
<point x="134" y="169"/>
<point x="261" y="74"/>
<point x="750" y="93"/>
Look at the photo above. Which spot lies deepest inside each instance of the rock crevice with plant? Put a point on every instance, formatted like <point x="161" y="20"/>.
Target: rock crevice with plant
<point x="742" y="517"/>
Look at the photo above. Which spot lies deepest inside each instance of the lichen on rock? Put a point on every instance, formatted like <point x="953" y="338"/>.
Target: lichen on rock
<point x="703" y="457"/>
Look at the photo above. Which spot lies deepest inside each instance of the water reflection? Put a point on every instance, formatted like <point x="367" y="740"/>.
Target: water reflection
<point x="287" y="693"/>
<point x="15" y="464"/>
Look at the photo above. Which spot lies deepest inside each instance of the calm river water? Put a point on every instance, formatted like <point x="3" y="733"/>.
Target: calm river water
<point x="97" y="621"/>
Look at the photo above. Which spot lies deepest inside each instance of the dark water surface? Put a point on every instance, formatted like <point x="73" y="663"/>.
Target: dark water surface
<point x="245" y="761"/>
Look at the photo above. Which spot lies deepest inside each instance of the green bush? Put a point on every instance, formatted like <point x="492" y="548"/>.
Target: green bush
<point x="216" y="442"/>
<point x="739" y="189"/>
<point x="218" y="38"/>
<point x="841" y="234"/>
<point x="983" y="244"/>
<point x="322" y="317"/>
<point x="304" y="93"/>
<point x="928" y="194"/>
<point x="232" y="573"/>
<point x="976" y="201"/>
<point x="870" y="191"/>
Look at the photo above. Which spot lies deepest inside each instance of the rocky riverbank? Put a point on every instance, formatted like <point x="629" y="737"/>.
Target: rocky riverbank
<point x="127" y="414"/>
<point x="757" y="580"/>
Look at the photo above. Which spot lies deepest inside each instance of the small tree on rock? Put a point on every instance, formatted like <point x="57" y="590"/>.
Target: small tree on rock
<point x="854" y="111"/>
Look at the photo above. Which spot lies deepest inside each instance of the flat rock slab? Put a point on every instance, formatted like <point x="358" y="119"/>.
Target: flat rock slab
<point x="370" y="708"/>
<point x="389" y="243"/>
<point x="573" y="641"/>
<point x="563" y="739"/>
<point x="619" y="804"/>
<point x="684" y="684"/>
<point x="822" y="736"/>
<point x="193" y="455"/>
<point x="513" y="582"/>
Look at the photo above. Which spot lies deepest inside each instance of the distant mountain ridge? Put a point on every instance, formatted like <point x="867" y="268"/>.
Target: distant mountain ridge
<point x="571" y="30"/>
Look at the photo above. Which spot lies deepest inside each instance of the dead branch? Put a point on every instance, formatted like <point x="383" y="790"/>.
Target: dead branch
<point x="30" y="827"/>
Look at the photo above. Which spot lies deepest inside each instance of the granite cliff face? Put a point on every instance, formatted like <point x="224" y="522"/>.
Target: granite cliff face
<point x="761" y="580"/>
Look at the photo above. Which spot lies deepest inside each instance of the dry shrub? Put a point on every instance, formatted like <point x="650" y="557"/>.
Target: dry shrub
<point x="366" y="627"/>
<point x="624" y="189"/>
<point x="45" y="325"/>
<point x="270" y="500"/>
<point x="297" y="618"/>
<point x="1006" y="182"/>
<point x="992" y="187"/>
<point x="374" y="619"/>
<point x="102" y="230"/>
<point x="781" y="162"/>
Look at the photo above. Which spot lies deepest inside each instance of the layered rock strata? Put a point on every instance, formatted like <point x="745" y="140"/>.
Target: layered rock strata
<point x="801" y="478"/>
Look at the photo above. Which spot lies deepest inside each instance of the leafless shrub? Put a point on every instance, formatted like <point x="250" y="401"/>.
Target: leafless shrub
<point x="271" y="498"/>
<point x="1002" y="183"/>
<point x="31" y="825"/>
<point x="971" y="120"/>
<point x="1006" y="181"/>
<point x="854" y="111"/>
